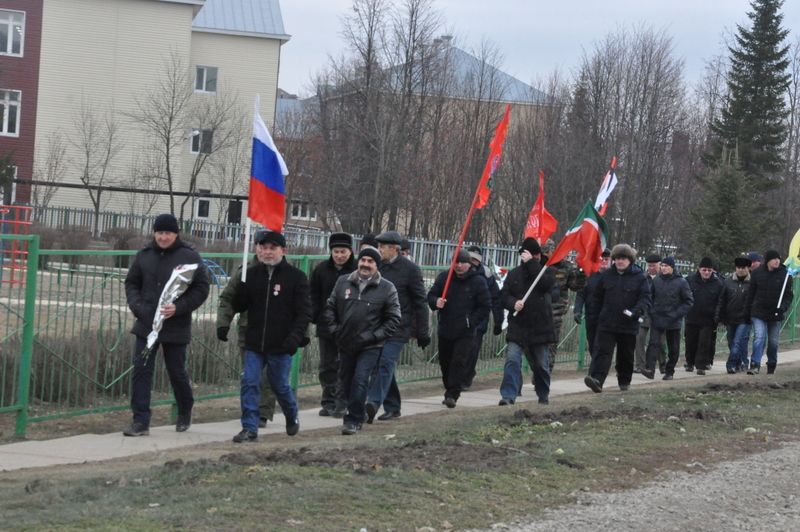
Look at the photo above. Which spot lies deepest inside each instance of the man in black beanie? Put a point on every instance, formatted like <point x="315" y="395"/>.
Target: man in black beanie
<point x="698" y="331"/>
<point x="323" y="279"/>
<point x="150" y="271"/>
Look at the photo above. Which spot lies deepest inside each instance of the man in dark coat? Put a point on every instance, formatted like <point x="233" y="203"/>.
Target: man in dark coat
<point x="150" y="271"/>
<point x="731" y="311"/>
<point x="622" y="299"/>
<point x="498" y="315"/>
<point x="585" y="298"/>
<point x="323" y="279"/>
<point x="407" y="279"/>
<point x="700" y="325"/>
<point x="531" y="330"/>
<point x="467" y="304"/>
<point x="672" y="299"/>
<point x="768" y="300"/>
<point x="275" y="297"/>
<point x="652" y="269"/>
<point x="362" y="313"/>
<point x="225" y="314"/>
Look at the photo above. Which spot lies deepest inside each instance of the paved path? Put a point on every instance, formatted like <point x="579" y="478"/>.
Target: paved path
<point x="97" y="447"/>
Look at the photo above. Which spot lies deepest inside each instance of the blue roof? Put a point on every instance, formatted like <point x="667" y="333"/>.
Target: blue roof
<point x="258" y="18"/>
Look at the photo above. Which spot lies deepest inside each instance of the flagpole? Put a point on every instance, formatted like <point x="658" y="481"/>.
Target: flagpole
<point x="248" y="224"/>
<point x="785" y="282"/>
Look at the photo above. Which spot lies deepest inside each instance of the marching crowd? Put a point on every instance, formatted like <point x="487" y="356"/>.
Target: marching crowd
<point x="368" y="302"/>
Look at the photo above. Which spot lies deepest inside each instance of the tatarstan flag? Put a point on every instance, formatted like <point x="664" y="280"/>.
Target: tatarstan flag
<point x="495" y="151"/>
<point x="587" y="236"/>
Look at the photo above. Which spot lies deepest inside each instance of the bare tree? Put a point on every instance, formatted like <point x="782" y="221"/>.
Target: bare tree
<point x="145" y="176"/>
<point x="51" y="168"/>
<point x="230" y="168"/>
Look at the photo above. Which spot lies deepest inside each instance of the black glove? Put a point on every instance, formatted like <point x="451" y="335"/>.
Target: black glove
<point x="578" y="318"/>
<point x="424" y="342"/>
<point x="498" y="328"/>
<point x="222" y="333"/>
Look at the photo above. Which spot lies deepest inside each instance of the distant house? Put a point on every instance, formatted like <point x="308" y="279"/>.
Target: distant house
<point x="57" y="55"/>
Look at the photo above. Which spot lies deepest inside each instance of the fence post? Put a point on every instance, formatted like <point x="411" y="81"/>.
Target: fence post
<point x="298" y="355"/>
<point x="26" y="354"/>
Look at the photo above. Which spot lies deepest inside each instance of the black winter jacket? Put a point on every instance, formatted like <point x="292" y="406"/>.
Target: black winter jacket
<point x="765" y="290"/>
<point x="732" y="306"/>
<point x="278" y="308"/>
<point x="498" y="315"/>
<point x="468" y="304"/>
<point x="323" y="279"/>
<point x="361" y="320"/>
<point x="407" y="279"/>
<point x="672" y="299"/>
<point x="534" y="324"/>
<point x="150" y="271"/>
<point x="706" y="296"/>
<point x="584" y="299"/>
<point x="617" y="292"/>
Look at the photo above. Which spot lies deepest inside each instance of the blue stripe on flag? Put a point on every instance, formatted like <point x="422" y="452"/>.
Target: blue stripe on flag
<point x="266" y="168"/>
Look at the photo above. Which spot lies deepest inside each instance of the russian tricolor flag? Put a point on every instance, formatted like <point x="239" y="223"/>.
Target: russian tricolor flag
<point x="267" y="198"/>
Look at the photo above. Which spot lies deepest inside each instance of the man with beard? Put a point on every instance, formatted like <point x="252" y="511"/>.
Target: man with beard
<point x="466" y="306"/>
<point x="323" y="279"/>
<point x="275" y="297"/>
<point x="361" y="314"/>
<point x="585" y="298"/>
<point x="622" y="298"/>
<point x="731" y="311"/>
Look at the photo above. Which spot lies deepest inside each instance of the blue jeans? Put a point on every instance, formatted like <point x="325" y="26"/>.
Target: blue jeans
<point x="738" y="337"/>
<point x="355" y="370"/>
<point x="142" y="381"/>
<point x="766" y="332"/>
<point x="538" y="356"/>
<point x="383" y="381"/>
<point x="278" y="367"/>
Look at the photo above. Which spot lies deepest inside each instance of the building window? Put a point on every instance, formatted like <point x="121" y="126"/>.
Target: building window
<point x="234" y="212"/>
<point x="9" y="112"/>
<point x="302" y="210"/>
<point x="12" y="32"/>
<point x="201" y="140"/>
<point x="206" y="79"/>
<point x="203" y="204"/>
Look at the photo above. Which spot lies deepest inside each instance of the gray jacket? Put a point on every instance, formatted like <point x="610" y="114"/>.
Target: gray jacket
<point x="672" y="300"/>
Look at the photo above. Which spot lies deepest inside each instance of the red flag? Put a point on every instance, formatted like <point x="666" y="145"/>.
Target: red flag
<point x="541" y="223"/>
<point x="495" y="150"/>
<point x="587" y="236"/>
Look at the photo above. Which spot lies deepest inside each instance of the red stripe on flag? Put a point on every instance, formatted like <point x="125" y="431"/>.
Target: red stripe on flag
<point x="266" y="206"/>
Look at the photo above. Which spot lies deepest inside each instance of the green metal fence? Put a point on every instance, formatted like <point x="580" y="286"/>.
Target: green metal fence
<point x="65" y="347"/>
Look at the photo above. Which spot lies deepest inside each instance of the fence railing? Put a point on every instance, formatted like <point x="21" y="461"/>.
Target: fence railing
<point x="65" y="347"/>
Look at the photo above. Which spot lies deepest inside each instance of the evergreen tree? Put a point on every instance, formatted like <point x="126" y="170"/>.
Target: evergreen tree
<point x="729" y="219"/>
<point x="753" y="121"/>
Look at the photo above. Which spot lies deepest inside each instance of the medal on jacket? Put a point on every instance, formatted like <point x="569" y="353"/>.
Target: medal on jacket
<point x="347" y="293"/>
<point x="276" y="290"/>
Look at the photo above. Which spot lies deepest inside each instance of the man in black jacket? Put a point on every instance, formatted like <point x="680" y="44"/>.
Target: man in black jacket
<point x="275" y="296"/>
<point x="768" y="300"/>
<point x="466" y="306"/>
<point x="672" y="299"/>
<point x="323" y="279"/>
<point x="622" y="298"/>
<point x="362" y="313"/>
<point x="585" y="298"/>
<point x="498" y="314"/>
<point x="407" y="279"/>
<point x="531" y="331"/>
<point x="150" y="271"/>
<point x="700" y="321"/>
<point x="732" y="312"/>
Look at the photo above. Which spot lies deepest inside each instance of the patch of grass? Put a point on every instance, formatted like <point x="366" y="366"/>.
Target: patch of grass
<point x="459" y="469"/>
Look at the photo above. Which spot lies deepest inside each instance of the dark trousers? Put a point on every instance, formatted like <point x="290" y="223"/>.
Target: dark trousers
<point x="591" y="336"/>
<point x="453" y="359"/>
<point x="354" y="373"/>
<point x="472" y="363"/>
<point x="329" y="375"/>
<point x="141" y="388"/>
<point x="601" y="362"/>
<point x="699" y="340"/>
<point x="655" y="349"/>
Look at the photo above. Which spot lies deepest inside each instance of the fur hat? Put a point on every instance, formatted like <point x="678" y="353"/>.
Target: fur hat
<point x="742" y="262"/>
<point x="371" y="252"/>
<point x="263" y="236"/>
<point x="531" y="245"/>
<point x="771" y="254"/>
<point x="669" y="261"/>
<point x="623" y="250"/>
<point x="654" y="258"/>
<point x="706" y="262"/>
<point x="340" y="240"/>
<point x="166" y="222"/>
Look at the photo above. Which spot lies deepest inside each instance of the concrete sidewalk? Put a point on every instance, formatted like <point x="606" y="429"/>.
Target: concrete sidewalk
<point x="98" y="447"/>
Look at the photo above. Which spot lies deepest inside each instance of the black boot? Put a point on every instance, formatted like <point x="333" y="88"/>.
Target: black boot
<point x="770" y="369"/>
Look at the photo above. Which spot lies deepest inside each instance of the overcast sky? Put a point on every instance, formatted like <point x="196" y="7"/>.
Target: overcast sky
<point x="534" y="36"/>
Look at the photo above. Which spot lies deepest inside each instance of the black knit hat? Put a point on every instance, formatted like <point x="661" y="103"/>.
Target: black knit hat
<point x="340" y="240"/>
<point x="166" y="222"/>
<point x="463" y="255"/>
<point x="669" y="261"/>
<point x="706" y="262"/>
<point x="531" y="245"/>
<point x="369" y="251"/>
<point x="771" y="254"/>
